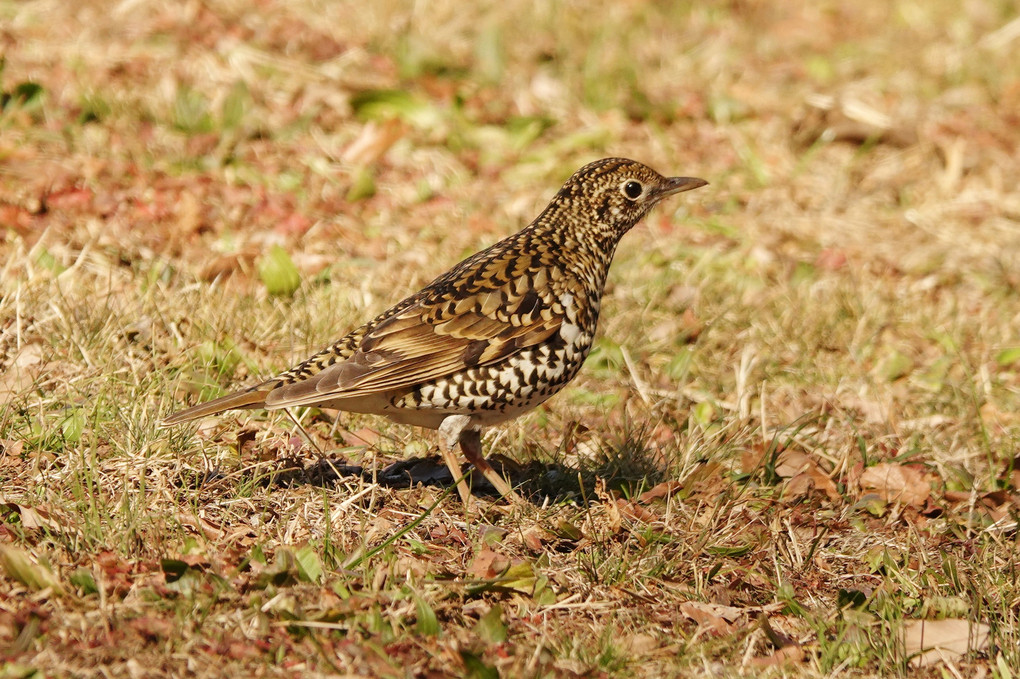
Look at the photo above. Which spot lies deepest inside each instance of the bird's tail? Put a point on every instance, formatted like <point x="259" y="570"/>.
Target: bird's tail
<point x="255" y="397"/>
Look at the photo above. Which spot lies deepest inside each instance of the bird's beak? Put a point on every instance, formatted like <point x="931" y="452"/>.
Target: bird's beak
<point x="678" y="185"/>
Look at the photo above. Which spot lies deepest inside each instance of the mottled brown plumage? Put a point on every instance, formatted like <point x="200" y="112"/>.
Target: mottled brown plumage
<point x="493" y="337"/>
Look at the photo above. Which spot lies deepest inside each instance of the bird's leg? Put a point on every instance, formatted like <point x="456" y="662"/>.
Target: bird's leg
<point x="471" y="445"/>
<point x="454" y="429"/>
<point x="450" y="432"/>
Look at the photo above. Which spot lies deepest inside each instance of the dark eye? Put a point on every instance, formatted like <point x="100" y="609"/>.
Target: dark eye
<point x="632" y="189"/>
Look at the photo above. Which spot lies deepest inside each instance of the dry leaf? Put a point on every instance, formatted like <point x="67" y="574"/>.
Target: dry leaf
<point x="793" y="462"/>
<point x="535" y="537"/>
<point x="896" y="483"/>
<point x="635" y="511"/>
<point x="831" y="259"/>
<point x="21" y="372"/>
<point x="664" y="490"/>
<point x="152" y="628"/>
<point x="614" y="520"/>
<point x="935" y="640"/>
<point x="706" y="615"/>
<point x="487" y="564"/>
<point x="210" y="530"/>
<point x="787" y="654"/>
<point x="641" y="644"/>
<point x="804" y="474"/>
<point x="10" y="452"/>
<point x="228" y="264"/>
<point x="797" y="487"/>
<point x="362" y="437"/>
<point x="33" y="518"/>
<point x="375" y="139"/>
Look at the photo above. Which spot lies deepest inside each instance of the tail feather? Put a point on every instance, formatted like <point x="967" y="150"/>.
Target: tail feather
<point x="249" y="398"/>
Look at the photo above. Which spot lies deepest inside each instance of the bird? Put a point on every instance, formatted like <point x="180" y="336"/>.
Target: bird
<point x="492" y="338"/>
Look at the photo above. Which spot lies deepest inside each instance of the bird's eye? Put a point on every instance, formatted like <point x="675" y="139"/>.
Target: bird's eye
<point x="632" y="189"/>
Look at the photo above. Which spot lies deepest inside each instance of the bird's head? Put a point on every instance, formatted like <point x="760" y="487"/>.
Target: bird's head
<point x="613" y="194"/>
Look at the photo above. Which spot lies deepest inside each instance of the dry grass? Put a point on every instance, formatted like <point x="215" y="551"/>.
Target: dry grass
<point x="812" y="365"/>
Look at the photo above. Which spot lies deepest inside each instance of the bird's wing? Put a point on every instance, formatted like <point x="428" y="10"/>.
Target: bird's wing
<point x="434" y="337"/>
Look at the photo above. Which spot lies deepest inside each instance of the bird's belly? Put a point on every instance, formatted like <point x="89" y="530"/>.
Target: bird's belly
<point x="500" y="392"/>
<point x="391" y="406"/>
<point x="488" y="394"/>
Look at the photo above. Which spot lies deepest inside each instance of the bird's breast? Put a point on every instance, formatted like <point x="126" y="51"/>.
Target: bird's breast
<point x="499" y="392"/>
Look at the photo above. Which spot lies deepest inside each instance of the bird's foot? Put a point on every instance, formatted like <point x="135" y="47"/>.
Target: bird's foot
<point x="455" y="429"/>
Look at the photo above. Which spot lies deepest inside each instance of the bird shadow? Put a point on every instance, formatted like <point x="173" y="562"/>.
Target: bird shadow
<point x="534" y="481"/>
<point x="625" y="466"/>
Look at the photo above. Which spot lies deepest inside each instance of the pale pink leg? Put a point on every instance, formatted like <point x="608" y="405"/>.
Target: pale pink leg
<point x="471" y="445"/>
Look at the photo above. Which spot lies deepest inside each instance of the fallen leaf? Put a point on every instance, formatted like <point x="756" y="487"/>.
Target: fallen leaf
<point x="896" y="483"/>
<point x="831" y="259"/>
<point x="931" y="641"/>
<point x="790" y="463"/>
<point x="805" y="474"/>
<point x="294" y="224"/>
<point x="663" y="490"/>
<point x="787" y="654"/>
<point x="640" y="644"/>
<point x="210" y="530"/>
<point x="33" y="518"/>
<point x="487" y="564"/>
<point x="535" y="537"/>
<point x="636" y="512"/>
<point x="375" y="139"/>
<point x="228" y="264"/>
<point x="21" y="372"/>
<point x="362" y="437"/>
<point x="12" y="454"/>
<point x="521" y="577"/>
<point x="706" y="615"/>
<point x="153" y="629"/>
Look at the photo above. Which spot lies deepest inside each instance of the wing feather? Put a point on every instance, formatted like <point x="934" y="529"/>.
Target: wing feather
<point x="424" y="342"/>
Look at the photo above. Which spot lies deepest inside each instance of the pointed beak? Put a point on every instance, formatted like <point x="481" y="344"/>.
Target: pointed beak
<point x="678" y="185"/>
